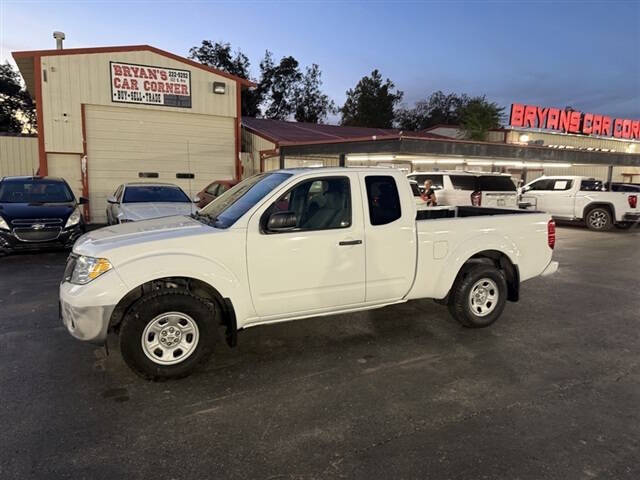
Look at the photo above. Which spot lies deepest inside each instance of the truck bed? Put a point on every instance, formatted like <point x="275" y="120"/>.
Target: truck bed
<point x="432" y="213"/>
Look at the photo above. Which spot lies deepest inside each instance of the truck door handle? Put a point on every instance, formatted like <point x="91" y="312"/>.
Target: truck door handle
<point x="349" y="242"/>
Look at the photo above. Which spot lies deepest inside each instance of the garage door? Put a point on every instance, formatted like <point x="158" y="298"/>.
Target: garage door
<point x="125" y="143"/>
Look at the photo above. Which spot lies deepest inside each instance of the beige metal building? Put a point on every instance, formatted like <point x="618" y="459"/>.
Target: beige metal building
<point x="116" y="114"/>
<point x="18" y="154"/>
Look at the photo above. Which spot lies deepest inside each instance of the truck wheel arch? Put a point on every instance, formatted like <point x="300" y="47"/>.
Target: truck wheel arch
<point x="607" y="205"/>
<point x="197" y="287"/>
<point x="501" y="261"/>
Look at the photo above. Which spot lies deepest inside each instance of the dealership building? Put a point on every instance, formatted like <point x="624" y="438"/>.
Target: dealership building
<point x="118" y="114"/>
<point x="110" y="115"/>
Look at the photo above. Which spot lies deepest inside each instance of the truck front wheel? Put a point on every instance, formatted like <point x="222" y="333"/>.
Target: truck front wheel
<point x="599" y="219"/>
<point x="478" y="297"/>
<point x="167" y="334"/>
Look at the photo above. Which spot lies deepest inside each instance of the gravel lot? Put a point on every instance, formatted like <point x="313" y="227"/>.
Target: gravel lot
<point x="550" y="391"/>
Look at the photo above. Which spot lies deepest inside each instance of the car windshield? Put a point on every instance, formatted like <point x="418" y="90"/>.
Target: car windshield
<point x="154" y="193"/>
<point x="35" y="191"/>
<point x="226" y="209"/>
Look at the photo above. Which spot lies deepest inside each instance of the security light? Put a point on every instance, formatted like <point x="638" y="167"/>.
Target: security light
<point x="219" y="88"/>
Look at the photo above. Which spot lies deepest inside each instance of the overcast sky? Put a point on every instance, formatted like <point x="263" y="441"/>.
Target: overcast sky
<point x="580" y="53"/>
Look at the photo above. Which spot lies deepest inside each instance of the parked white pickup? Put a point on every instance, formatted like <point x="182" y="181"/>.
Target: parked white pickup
<point x="581" y="198"/>
<point x="291" y="244"/>
<point x="455" y="187"/>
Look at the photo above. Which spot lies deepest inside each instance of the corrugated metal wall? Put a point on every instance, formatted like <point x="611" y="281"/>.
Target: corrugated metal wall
<point x="18" y="155"/>
<point x="253" y="144"/>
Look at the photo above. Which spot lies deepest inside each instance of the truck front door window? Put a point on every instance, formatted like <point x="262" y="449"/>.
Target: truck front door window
<point x="319" y="204"/>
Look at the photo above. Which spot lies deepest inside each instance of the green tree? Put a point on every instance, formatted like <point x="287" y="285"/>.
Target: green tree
<point x="371" y="103"/>
<point x="438" y="109"/>
<point x="311" y="105"/>
<point x="479" y="116"/>
<point x="17" y="109"/>
<point x="279" y="83"/>
<point x="219" y="55"/>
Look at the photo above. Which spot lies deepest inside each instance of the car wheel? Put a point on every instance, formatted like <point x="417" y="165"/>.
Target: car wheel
<point x="479" y="296"/>
<point x="599" y="219"/>
<point x="168" y="334"/>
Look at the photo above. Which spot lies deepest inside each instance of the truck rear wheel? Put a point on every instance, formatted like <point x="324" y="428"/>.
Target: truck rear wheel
<point x="168" y="334"/>
<point x="478" y="297"/>
<point x="599" y="219"/>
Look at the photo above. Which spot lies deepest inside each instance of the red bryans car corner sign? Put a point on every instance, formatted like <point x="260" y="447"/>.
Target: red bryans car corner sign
<point x="572" y="121"/>
<point x="150" y="85"/>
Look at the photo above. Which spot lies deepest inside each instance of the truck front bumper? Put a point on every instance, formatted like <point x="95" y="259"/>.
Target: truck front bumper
<point x="87" y="323"/>
<point x="551" y="269"/>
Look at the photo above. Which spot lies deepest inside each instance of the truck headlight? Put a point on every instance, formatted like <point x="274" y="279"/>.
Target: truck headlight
<point x="89" y="268"/>
<point x="74" y="218"/>
<point x="3" y="224"/>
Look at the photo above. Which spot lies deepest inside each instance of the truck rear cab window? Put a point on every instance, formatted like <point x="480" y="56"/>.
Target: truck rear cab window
<point x="464" y="182"/>
<point x="591" y="186"/>
<point x="319" y="204"/>
<point x="383" y="198"/>
<point x="496" y="183"/>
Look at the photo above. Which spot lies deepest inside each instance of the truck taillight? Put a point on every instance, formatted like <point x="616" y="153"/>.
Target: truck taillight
<point x="633" y="201"/>
<point x="551" y="234"/>
<point x="476" y="199"/>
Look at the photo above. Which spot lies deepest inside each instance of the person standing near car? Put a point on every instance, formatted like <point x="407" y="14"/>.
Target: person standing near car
<point x="429" y="195"/>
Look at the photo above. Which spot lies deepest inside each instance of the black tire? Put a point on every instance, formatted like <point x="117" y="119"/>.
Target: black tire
<point x="460" y="297"/>
<point x="204" y="314"/>
<point x="599" y="219"/>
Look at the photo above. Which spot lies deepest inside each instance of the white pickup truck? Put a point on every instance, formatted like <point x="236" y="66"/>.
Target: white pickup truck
<point x="581" y="198"/>
<point x="287" y="245"/>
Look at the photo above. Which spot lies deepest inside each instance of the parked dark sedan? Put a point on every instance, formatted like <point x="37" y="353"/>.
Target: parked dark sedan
<point x="212" y="191"/>
<point x="38" y="212"/>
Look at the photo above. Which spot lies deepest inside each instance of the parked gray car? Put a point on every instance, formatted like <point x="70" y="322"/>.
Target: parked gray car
<point x="132" y="202"/>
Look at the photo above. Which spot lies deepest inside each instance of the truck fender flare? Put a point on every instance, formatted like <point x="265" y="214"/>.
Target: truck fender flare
<point x="593" y="205"/>
<point x="218" y="284"/>
<point x="494" y="245"/>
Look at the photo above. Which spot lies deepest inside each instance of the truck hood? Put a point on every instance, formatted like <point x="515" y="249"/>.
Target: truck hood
<point x="105" y="241"/>
<point x="147" y="210"/>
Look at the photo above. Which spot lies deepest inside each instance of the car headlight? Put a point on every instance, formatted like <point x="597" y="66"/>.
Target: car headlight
<point x="3" y="224"/>
<point x="74" y="218"/>
<point x="89" y="268"/>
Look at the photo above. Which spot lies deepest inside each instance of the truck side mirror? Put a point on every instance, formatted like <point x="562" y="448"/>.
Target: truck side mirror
<point x="282" y="222"/>
<point x="83" y="201"/>
<point x="112" y="199"/>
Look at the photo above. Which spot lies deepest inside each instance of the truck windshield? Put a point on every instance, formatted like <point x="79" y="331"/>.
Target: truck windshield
<point x="226" y="209"/>
<point x="35" y="191"/>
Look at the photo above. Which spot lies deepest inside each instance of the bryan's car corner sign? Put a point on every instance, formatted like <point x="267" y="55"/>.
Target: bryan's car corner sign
<point x="150" y="85"/>
<point x="572" y="121"/>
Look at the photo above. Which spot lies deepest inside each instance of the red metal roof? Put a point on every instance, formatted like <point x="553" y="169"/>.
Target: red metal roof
<point x="281" y="131"/>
